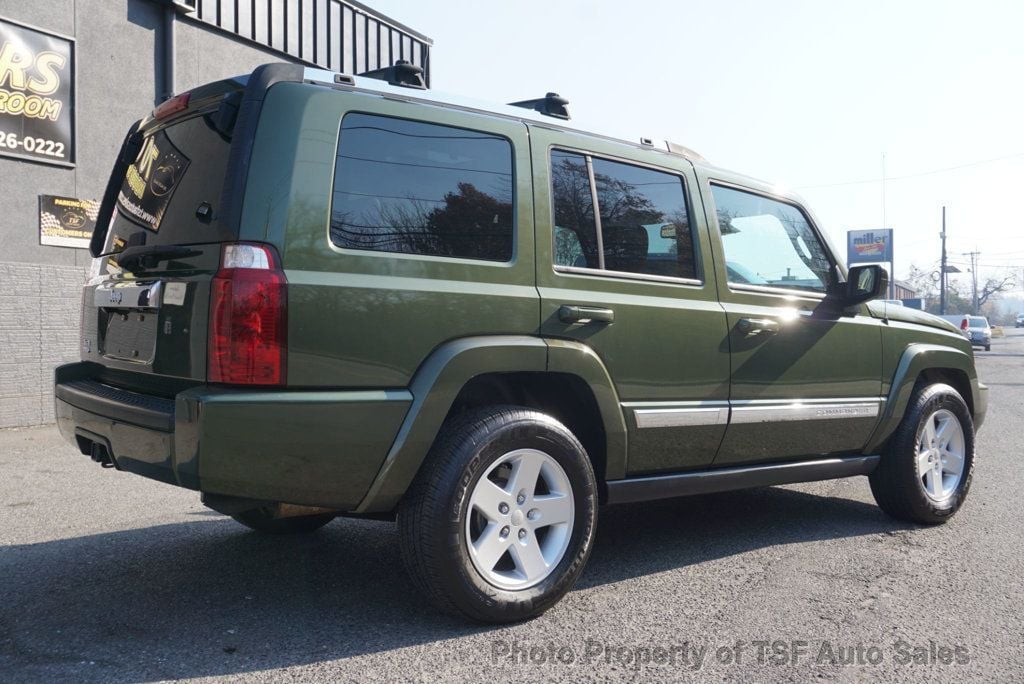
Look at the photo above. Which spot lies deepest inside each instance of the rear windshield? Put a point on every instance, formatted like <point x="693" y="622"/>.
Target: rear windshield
<point x="171" y="194"/>
<point x="977" y="322"/>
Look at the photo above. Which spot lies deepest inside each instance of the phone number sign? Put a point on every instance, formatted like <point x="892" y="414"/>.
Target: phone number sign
<point x="37" y="98"/>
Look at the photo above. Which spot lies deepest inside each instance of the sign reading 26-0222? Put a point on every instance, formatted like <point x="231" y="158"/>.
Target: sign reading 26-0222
<point x="37" y="105"/>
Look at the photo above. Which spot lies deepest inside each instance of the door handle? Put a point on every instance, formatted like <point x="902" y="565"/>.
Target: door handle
<point x="757" y="326"/>
<point x="568" y="313"/>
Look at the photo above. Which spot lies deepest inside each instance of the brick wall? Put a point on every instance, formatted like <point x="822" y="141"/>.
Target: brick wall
<point x="39" y="319"/>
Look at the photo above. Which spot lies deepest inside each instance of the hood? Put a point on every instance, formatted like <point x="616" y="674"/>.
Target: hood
<point x="907" y="315"/>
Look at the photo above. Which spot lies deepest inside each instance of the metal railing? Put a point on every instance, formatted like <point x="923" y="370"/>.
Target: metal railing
<point x="343" y="36"/>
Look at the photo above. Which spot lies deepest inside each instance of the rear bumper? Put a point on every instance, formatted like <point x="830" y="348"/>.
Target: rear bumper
<point x="317" y="448"/>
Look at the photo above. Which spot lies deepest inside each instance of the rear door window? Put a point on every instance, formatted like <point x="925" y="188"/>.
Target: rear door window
<point x="418" y="188"/>
<point x="575" y="227"/>
<point x="642" y="225"/>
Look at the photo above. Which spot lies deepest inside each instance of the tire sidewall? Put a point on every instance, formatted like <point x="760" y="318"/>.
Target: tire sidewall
<point x="471" y="590"/>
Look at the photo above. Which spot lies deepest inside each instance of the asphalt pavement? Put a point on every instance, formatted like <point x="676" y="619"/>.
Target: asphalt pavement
<point x="106" y="576"/>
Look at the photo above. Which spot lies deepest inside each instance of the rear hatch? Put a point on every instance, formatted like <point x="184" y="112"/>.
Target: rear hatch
<point x="145" y="309"/>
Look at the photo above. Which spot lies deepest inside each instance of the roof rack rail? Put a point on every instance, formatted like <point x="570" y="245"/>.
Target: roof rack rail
<point x="551" y="104"/>
<point x="401" y="73"/>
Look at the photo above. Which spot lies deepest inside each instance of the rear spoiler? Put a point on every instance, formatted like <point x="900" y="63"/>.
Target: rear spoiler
<point x="256" y="86"/>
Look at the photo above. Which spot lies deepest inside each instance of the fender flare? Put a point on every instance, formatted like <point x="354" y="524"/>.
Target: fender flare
<point x="575" y="358"/>
<point x="446" y="371"/>
<point x="916" y="359"/>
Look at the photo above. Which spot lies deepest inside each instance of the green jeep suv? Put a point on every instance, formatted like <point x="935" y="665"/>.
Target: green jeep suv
<point x="320" y="295"/>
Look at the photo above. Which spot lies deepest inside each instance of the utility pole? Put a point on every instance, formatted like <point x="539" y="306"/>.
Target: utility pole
<point x="942" y="269"/>
<point x="974" y="279"/>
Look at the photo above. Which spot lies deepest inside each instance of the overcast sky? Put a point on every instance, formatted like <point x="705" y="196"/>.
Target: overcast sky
<point x="806" y="94"/>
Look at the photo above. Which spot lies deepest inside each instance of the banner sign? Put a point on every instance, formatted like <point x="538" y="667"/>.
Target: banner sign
<point x="66" y="221"/>
<point x="37" y="99"/>
<point x="869" y="246"/>
<point x="151" y="180"/>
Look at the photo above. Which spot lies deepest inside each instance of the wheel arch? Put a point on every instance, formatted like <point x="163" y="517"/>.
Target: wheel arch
<point x="564" y="379"/>
<point x="927" y="363"/>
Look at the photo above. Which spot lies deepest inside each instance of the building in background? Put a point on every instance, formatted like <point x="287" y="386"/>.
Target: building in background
<point x="74" y="75"/>
<point x="903" y="290"/>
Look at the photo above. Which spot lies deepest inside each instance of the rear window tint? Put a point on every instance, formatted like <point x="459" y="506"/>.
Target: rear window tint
<point x="644" y="223"/>
<point x="418" y="188"/>
<point x="179" y="168"/>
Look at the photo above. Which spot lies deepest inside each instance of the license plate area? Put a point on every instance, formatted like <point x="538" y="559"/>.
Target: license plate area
<point x="130" y="335"/>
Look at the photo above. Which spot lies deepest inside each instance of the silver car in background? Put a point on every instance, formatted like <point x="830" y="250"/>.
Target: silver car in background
<point x="979" y="332"/>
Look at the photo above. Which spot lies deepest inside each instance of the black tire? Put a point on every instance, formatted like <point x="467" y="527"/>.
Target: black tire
<point x="263" y="520"/>
<point x="432" y="519"/>
<point x="895" y="483"/>
<point x="988" y="347"/>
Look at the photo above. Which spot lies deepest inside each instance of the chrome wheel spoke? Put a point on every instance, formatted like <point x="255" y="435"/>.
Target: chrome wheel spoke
<point x="923" y="462"/>
<point x="528" y="557"/>
<point x="490" y="546"/>
<point x="551" y="509"/>
<point x="933" y="482"/>
<point x="487" y="498"/>
<point x="524" y="476"/>
<point x="943" y="429"/>
<point x="953" y="462"/>
<point x="928" y="436"/>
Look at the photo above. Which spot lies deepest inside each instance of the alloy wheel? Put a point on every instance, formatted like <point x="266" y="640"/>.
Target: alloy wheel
<point x="520" y="519"/>
<point x="940" y="454"/>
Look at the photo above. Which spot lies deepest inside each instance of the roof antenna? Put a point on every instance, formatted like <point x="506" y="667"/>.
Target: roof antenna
<point x="551" y="104"/>
<point x="402" y="73"/>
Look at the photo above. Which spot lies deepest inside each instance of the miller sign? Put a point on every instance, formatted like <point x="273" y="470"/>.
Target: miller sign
<point x="869" y="246"/>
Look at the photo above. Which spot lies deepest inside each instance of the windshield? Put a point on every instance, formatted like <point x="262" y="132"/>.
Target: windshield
<point x="171" y="194"/>
<point x="977" y="322"/>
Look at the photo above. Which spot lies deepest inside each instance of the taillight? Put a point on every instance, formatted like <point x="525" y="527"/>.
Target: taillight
<point x="248" y="318"/>
<point x="168" y="108"/>
<point x="963" y="324"/>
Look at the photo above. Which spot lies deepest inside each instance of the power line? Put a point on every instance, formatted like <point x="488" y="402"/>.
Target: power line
<point x="910" y="175"/>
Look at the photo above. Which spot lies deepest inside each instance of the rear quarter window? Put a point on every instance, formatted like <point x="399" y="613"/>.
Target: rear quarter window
<point x="412" y="187"/>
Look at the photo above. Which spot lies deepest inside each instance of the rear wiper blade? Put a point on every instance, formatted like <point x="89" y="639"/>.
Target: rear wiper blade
<point x="148" y="257"/>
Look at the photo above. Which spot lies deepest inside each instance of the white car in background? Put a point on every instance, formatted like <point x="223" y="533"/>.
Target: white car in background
<point x="978" y="331"/>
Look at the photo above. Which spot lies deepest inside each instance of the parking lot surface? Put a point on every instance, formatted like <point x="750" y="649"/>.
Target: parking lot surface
<point x="106" y="576"/>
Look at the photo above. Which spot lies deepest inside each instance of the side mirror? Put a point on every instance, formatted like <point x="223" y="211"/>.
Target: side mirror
<point x="864" y="283"/>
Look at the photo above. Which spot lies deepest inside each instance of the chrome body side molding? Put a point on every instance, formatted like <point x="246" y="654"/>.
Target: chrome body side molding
<point x="679" y="414"/>
<point x="824" y="409"/>
<point x="703" y="413"/>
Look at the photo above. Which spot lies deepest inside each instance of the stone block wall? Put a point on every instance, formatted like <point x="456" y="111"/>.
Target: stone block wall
<point x="40" y="306"/>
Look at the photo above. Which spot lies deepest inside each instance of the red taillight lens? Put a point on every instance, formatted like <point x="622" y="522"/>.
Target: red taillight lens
<point x="248" y="318"/>
<point x="963" y="324"/>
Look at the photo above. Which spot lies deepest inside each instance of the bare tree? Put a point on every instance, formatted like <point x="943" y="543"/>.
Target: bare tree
<point x="994" y="286"/>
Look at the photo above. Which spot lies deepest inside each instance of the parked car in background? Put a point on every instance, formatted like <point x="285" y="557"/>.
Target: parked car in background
<point x="978" y="331"/>
<point x="1020" y="321"/>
